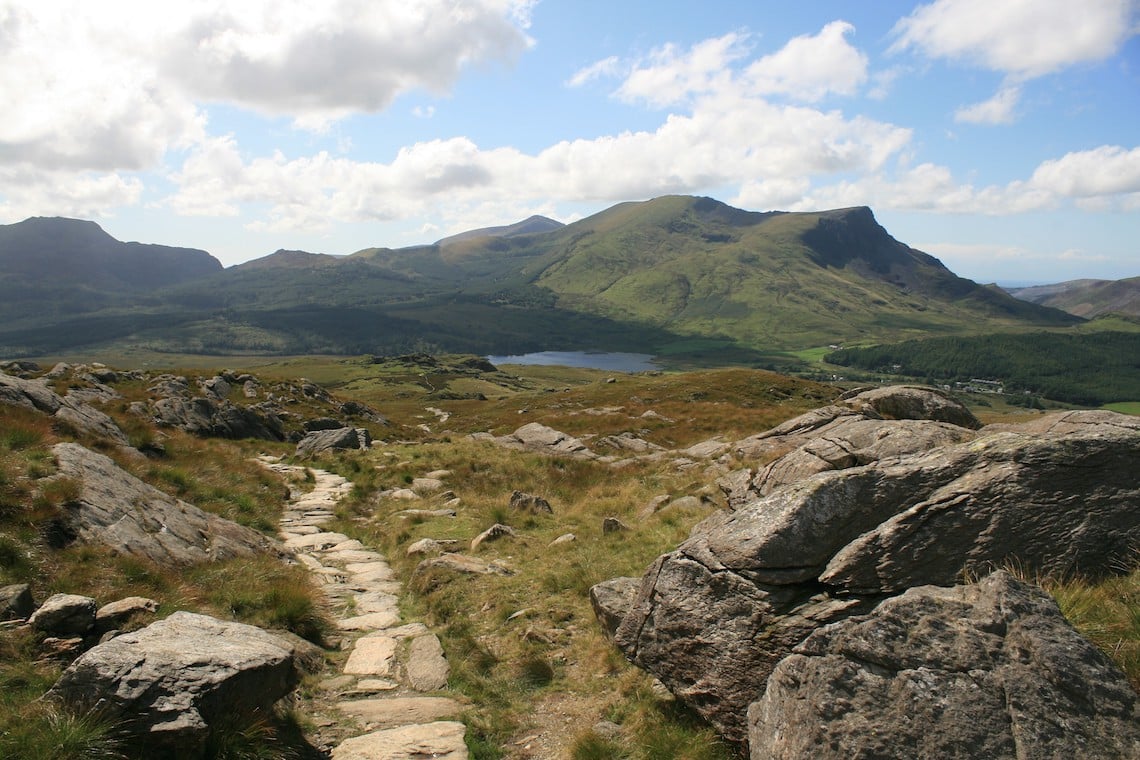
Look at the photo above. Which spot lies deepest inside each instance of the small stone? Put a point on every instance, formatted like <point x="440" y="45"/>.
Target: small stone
<point x="65" y="614"/>
<point x="613" y="525"/>
<point x="565" y="538"/>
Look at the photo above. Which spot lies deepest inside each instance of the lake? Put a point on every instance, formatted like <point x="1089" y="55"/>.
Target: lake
<point x="607" y="360"/>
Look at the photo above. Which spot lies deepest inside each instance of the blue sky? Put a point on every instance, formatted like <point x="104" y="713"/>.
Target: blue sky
<point x="1002" y="136"/>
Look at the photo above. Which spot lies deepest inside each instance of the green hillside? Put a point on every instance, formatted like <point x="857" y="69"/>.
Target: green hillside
<point x="672" y="275"/>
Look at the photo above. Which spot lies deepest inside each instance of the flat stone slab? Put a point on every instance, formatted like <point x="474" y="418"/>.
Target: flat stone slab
<point x="427" y="668"/>
<point x="350" y="545"/>
<point x="372" y="621"/>
<point x="315" y="541"/>
<point x="376" y="601"/>
<point x="385" y="712"/>
<point x="292" y="531"/>
<point x="373" y="686"/>
<point x="442" y="740"/>
<point x="353" y="555"/>
<point x="372" y="656"/>
<point x="366" y="567"/>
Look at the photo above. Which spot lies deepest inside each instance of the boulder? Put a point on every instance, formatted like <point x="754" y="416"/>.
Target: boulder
<point x="120" y="511"/>
<point x="87" y="420"/>
<point x="525" y="502"/>
<point x="712" y="618"/>
<point x="65" y="615"/>
<point x="912" y="402"/>
<point x="853" y="433"/>
<point x="535" y="436"/>
<point x="16" y="602"/>
<point x="494" y="533"/>
<point x="209" y="417"/>
<point x="30" y="394"/>
<point x="171" y="682"/>
<point x="114" y="615"/>
<point x="987" y="670"/>
<point x="72" y="412"/>
<point x="318" y="441"/>
<point x="611" y="601"/>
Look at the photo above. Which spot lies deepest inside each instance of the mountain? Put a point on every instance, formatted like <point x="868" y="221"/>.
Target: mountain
<point x="79" y="253"/>
<point x="676" y="274"/>
<point x="55" y="268"/>
<point x="528" y="226"/>
<point x="1086" y="298"/>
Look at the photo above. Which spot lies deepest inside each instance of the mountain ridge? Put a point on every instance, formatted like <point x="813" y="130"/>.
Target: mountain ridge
<point x="665" y="274"/>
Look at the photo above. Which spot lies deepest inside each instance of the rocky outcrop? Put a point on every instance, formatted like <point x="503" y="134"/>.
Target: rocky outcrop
<point x="989" y="670"/>
<point x="911" y="402"/>
<point x="319" y="441"/>
<point x="219" y="418"/>
<point x="120" y="511"/>
<point x="859" y="430"/>
<point x="72" y="413"/>
<point x="171" y="682"/>
<point x="537" y="437"/>
<point x="714" y="617"/>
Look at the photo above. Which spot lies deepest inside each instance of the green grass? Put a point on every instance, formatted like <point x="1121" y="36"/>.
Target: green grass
<point x="1125" y="407"/>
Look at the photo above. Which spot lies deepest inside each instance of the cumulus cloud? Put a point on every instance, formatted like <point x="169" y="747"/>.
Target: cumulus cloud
<point x="806" y="69"/>
<point x="812" y="66"/>
<point x="25" y="192"/>
<point x="1103" y="179"/>
<point x="728" y="139"/>
<point x="114" y="86"/>
<point x="1107" y="170"/>
<point x="1022" y="38"/>
<point x="672" y="76"/>
<point x="997" y="110"/>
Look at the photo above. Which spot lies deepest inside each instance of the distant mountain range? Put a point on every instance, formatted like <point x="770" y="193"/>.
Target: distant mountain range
<point x="674" y="275"/>
<point x="1086" y="298"/>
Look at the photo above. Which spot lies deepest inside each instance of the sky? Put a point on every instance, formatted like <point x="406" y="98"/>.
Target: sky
<point x="1002" y="136"/>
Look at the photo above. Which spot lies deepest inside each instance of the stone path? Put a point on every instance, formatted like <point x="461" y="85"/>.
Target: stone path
<point x="391" y="681"/>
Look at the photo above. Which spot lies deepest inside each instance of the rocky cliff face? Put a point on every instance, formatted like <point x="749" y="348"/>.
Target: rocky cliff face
<point x="717" y="616"/>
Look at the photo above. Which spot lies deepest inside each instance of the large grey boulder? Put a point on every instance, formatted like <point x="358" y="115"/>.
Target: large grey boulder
<point x="990" y="670"/>
<point x="170" y="682"/>
<point x="120" y="511"/>
<point x="537" y="437"/>
<point x="65" y="615"/>
<point x="30" y="394"/>
<point x="712" y="618"/>
<point x="72" y="412"/>
<point x="859" y="429"/>
<point x="318" y="441"/>
<point x="911" y="402"/>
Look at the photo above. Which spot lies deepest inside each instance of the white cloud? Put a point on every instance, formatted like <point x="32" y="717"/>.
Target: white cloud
<point x="806" y="69"/>
<point x="728" y="139"/>
<point x="1102" y="179"/>
<point x="1107" y="170"/>
<point x="811" y="67"/>
<point x="997" y="110"/>
<point x="114" y="86"/>
<point x="671" y="76"/>
<point x="85" y="195"/>
<point x="1022" y="38"/>
<point x="607" y="67"/>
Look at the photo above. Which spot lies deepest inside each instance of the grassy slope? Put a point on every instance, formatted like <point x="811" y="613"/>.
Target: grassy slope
<point x="650" y="276"/>
<point x="550" y="665"/>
